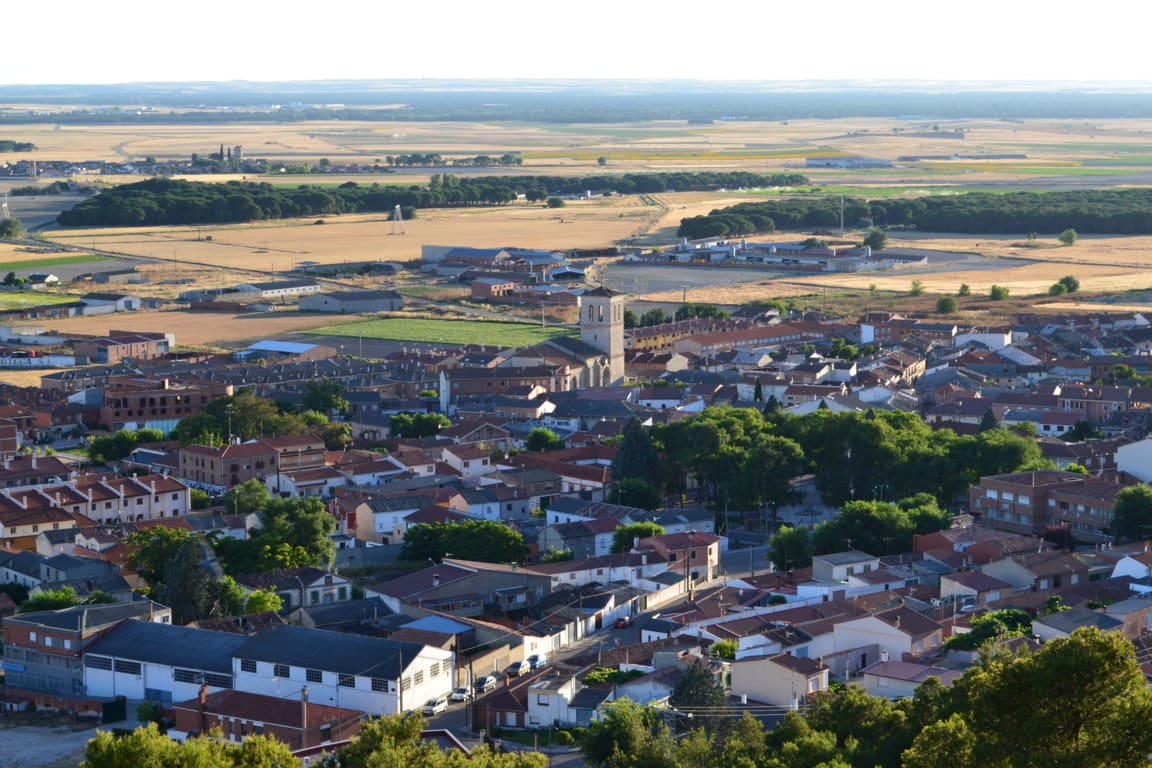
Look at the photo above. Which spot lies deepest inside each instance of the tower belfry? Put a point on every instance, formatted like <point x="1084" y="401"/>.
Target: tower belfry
<point x="602" y="327"/>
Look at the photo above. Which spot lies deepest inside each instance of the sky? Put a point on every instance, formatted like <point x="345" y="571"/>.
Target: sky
<point x="121" y="41"/>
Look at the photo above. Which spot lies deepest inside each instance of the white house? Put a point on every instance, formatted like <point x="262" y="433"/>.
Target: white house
<point x="1136" y="459"/>
<point x="780" y="679"/>
<point x="899" y="679"/>
<point x="898" y="631"/>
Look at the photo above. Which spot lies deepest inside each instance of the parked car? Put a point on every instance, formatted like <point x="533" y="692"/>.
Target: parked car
<point x="463" y="693"/>
<point x="537" y="660"/>
<point x="485" y="684"/>
<point x="517" y="668"/>
<point x="623" y="622"/>
<point x="436" y="705"/>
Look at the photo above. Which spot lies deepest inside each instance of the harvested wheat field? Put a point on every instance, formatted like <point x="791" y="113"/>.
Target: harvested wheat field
<point x="281" y="245"/>
<point x="194" y="329"/>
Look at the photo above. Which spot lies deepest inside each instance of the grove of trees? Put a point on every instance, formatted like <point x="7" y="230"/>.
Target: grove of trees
<point x="1078" y="702"/>
<point x="1066" y="213"/>
<point x="166" y="201"/>
<point x="483" y="540"/>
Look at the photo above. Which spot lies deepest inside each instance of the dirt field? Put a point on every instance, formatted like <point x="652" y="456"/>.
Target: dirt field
<point x="42" y="747"/>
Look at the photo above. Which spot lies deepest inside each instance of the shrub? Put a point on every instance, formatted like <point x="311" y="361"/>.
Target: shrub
<point x="945" y="305"/>
<point x="564" y="738"/>
<point x="998" y="293"/>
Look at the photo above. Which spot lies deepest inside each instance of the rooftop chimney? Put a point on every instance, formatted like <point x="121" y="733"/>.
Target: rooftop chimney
<point x="304" y="715"/>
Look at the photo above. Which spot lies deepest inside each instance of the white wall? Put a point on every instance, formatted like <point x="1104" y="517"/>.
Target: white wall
<point x="871" y="631"/>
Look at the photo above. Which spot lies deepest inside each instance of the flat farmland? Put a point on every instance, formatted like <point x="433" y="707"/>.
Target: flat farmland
<point x="280" y="245"/>
<point x="445" y="331"/>
<point x="194" y="328"/>
<point x="1053" y="149"/>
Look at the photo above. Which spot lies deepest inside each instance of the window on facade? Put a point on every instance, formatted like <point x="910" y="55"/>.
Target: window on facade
<point x="405" y="683"/>
<point x="127" y="667"/>
<point x="434" y="670"/>
<point x="98" y="662"/>
<point x="418" y="678"/>
<point x="326" y="732"/>
<point x="218" y="681"/>
<point x="380" y="685"/>
<point x="185" y="675"/>
<point x="542" y="699"/>
<point x="313" y="676"/>
<point x="348" y="681"/>
<point x="280" y="670"/>
<point x="247" y="665"/>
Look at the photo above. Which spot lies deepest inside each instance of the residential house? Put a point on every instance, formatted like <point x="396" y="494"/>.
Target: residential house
<point x="585" y="538"/>
<point x="221" y="468"/>
<point x="301" y="586"/>
<point x="779" y="679"/>
<point x="899" y="679"/>
<point x="972" y="588"/>
<point x="696" y="554"/>
<point x="1018" y="501"/>
<point x="899" y="631"/>
<point x="1039" y="570"/>
<point x="836" y="567"/>
<point x="1063" y="623"/>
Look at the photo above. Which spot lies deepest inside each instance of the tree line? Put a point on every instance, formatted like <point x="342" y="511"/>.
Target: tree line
<point x="8" y="145"/>
<point x="1101" y="212"/>
<point x="163" y="201"/>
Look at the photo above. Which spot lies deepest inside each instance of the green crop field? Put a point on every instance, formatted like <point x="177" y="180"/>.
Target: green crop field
<point x="25" y="299"/>
<point x="45" y="264"/>
<point x="447" y="331"/>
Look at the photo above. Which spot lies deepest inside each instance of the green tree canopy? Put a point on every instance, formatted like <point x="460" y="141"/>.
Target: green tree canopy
<point x="876" y="239"/>
<point x="292" y="533"/>
<point x="790" y="548"/>
<point x="324" y="396"/>
<point x="946" y="305"/>
<point x="1132" y="513"/>
<point x="247" y="497"/>
<point x="484" y="540"/>
<point x="625" y="536"/>
<point x="416" y="425"/>
<point x="1085" y="695"/>
<point x="1068" y="237"/>
<point x="543" y="439"/>
<point x="636" y="456"/>
<point x="148" y="747"/>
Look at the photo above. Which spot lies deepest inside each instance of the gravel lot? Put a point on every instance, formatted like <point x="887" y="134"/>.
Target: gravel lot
<point x="42" y="747"/>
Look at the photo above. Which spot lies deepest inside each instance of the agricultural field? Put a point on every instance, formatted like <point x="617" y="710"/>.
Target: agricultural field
<point x="446" y="331"/>
<point x="22" y="299"/>
<point x="195" y="329"/>
<point x="278" y="246"/>
<point x="1060" y="155"/>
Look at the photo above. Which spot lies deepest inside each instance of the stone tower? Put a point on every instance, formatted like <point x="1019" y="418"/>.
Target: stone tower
<point x="602" y="327"/>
